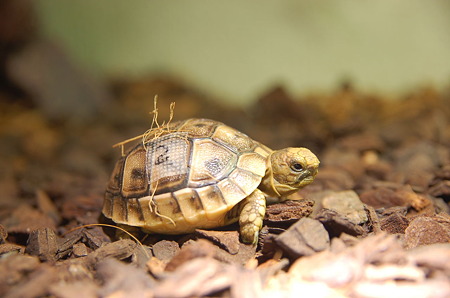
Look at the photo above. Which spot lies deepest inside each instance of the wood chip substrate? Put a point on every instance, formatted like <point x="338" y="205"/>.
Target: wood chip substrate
<point x="374" y="223"/>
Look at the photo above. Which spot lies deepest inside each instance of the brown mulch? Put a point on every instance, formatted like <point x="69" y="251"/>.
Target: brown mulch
<point x="375" y="223"/>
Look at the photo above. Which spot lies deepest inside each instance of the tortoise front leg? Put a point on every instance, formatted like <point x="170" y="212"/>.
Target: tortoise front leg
<point x="251" y="216"/>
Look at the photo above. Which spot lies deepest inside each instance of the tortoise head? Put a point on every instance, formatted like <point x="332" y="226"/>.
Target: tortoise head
<point x="288" y="170"/>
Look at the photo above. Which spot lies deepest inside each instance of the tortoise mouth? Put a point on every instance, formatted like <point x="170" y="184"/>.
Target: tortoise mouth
<point x="305" y="178"/>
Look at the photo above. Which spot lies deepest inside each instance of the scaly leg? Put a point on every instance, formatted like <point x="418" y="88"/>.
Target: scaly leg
<point x="251" y="216"/>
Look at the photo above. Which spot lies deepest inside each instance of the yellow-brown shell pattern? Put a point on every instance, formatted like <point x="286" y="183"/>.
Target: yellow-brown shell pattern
<point x="185" y="178"/>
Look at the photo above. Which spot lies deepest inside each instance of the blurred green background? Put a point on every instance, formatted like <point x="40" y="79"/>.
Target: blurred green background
<point x="237" y="49"/>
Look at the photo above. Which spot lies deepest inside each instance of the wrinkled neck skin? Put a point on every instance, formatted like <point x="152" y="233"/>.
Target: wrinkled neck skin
<point x="272" y="188"/>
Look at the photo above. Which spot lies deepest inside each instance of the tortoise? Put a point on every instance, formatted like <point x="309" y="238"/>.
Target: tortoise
<point x="201" y="173"/>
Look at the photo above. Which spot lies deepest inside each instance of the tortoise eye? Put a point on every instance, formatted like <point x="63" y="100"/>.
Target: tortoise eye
<point x="297" y="167"/>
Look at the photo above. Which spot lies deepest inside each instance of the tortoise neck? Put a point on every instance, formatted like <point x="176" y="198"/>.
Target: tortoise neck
<point x="271" y="186"/>
<point x="268" y="183"/>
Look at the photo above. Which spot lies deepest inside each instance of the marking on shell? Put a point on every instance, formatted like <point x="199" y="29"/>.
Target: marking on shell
<point x="167" y="156"/>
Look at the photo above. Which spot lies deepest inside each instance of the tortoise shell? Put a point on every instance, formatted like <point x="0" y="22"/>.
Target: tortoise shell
<point x="185" y="177"/>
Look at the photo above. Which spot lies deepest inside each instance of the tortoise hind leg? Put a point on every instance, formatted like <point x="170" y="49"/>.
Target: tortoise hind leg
<point x="253" y="209"/>
<point x="125" y="231"/>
